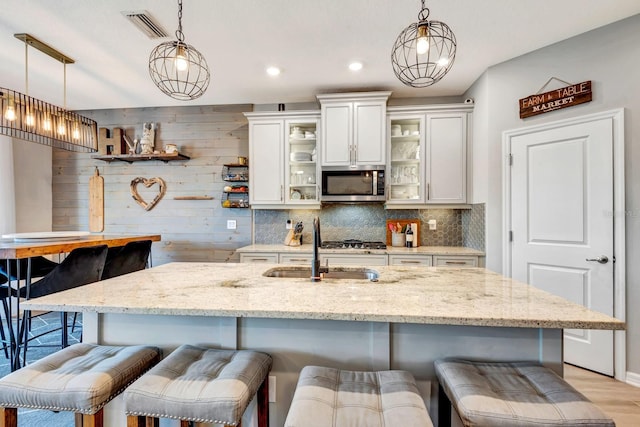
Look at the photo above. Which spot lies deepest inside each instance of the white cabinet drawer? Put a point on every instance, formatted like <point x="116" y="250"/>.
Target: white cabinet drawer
<point x="455" y="261"/>
<point x="295" y="258"/>
<point x="409" y="260"/>
<point x="260" y="257"/>
<point x="364" y="260"/>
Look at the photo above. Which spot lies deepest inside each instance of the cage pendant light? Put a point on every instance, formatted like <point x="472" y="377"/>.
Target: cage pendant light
<point x="423" y="52"/>
<point x="177" y="68"/>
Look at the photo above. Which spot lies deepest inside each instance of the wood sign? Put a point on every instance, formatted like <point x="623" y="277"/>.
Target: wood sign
<point x="557" y="99"/>
<point x="147" y="183"/>
<point x="96" y="203"/>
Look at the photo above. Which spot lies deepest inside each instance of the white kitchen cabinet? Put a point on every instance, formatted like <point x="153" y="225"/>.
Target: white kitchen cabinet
<point x="266" y="162"/>
<point x="266" y="257"/>
<point x="296" y="258"/>
<point x="427" y="154"/>
<point x="355" y="259"/>
<point x="446" y="157"/>
<point x="283" y="160"/>
<point x="410" y="260"/>
<point x="353" y="128"/>
<point x="455" y="261"/>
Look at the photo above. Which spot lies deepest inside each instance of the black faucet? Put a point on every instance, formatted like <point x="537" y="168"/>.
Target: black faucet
<point x="316" y="270"/>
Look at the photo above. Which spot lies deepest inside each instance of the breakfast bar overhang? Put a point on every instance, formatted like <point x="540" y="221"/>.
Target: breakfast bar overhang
<point x="406" y="319"/>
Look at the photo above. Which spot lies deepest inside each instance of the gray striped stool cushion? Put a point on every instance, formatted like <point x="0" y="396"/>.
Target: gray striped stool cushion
<point x="518" y="394"/>
<point x="333" y="397"/>
<point x="199" y="384"/>
<point x="81" y="378"/>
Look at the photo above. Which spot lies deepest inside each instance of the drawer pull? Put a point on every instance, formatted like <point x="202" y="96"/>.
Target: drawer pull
<point x="456" y="262"/>
<point x="260" y="259"/>
<point x="299" y="260"/>
<point x="404" y="261"/>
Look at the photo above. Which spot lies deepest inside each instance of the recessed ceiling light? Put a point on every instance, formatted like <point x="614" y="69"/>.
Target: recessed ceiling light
<point x="273" y="71"/>
<point x="355" y="66"/>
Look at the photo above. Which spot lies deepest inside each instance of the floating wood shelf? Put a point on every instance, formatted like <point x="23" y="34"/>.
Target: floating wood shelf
<point x="193" y="198"/>
<point x="130" y="158"/>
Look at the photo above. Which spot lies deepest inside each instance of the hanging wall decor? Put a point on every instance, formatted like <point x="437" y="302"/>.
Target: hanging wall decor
<point x="568" y="96"/>
<point x="162" y="188"/>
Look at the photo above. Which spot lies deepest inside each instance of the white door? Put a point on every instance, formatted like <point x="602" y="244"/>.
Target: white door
<point x="562" y="222"/>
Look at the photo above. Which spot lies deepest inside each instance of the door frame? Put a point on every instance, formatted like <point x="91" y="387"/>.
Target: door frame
<point x="619" y="214"/>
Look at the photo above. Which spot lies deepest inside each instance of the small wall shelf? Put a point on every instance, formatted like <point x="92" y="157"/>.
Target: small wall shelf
<point x="237" y="195"/>
<point x="130" y="158"/>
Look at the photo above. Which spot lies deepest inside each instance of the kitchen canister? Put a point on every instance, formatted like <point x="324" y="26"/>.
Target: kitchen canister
<point x="398" y="239"/>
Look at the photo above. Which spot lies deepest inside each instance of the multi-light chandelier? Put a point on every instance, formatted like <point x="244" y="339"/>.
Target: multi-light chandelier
<point x="424" y="52"/>
<point x="177" y="68"/>
<point x="31" y="119"/>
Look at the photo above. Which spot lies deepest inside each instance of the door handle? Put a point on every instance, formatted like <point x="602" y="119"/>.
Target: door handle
<point x="601" y="259"/>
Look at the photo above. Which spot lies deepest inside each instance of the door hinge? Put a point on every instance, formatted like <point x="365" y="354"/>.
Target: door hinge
<point x="511" y="236"/>
<point x="510" y="159"/>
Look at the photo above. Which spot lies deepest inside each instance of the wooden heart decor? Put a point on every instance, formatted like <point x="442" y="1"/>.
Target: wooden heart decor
<point x="147" y="183"/>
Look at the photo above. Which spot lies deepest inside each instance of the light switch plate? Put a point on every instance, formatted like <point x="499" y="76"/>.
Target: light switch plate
<point x="231" y="224"/>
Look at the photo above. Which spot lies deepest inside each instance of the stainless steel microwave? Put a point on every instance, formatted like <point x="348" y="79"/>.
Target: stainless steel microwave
<point x="364" y="184"/>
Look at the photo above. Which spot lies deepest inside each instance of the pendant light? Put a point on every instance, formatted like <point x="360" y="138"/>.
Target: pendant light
<point x="177" y="68"/>
<point x="423" y="52"/>
<point x="30" y="119"/>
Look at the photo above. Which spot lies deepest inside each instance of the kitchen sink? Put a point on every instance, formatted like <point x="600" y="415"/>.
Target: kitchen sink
<point x="337" y="273"/>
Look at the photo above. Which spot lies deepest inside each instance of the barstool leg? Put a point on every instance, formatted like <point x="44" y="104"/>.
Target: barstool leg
<point x="92" y="420"/>
<point x="142" y="421"/>
<point x="8" y="417"/>
<point x="263" y="403"/>
<point x="444" y="408"/>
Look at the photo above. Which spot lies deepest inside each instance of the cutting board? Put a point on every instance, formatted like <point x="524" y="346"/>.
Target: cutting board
<point x="96" y="202"/>
<point x="403" y="222"/>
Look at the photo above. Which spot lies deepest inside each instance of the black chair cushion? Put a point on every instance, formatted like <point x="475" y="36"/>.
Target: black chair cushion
<point x="80" y="267"/>
<point x="126" y="259"/>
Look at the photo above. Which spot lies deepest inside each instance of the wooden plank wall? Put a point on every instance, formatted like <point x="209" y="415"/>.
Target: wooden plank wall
<point x="192" y="230"/>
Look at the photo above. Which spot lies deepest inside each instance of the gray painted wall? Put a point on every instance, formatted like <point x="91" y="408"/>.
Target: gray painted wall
<point x="192" y="230"/>
<point x="610" y="57"/>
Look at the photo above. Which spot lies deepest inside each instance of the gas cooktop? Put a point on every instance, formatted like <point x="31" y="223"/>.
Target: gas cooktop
<point x="352" y="244"/>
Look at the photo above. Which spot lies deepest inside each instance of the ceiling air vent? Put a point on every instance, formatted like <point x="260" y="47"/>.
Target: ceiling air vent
<point x="145" y="23"/>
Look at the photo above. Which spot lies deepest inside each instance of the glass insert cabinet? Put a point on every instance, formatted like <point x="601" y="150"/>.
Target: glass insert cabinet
<point x="302" y="155"/>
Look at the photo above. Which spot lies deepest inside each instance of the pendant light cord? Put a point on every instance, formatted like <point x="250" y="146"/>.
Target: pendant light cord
<point x="26" y="68"/>
<point x="179" y="34"/>
<point x="64" y="67"/>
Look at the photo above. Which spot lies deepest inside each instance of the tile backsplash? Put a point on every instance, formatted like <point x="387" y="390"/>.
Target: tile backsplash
<point x="454" y="227"/>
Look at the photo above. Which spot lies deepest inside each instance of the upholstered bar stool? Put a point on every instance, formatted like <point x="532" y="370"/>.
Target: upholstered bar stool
<point x="203" y="385"/>
<point x="517" y="394"/>
<point x="338" y="398"/>
<point x="81" y="378"/>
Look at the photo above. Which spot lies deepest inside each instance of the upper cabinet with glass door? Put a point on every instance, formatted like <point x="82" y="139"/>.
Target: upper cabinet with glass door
<point x="302" y="160"/>
<point x="427" y="152"/>
<point x="283" y="159"/>
<point x="405" y="175"/>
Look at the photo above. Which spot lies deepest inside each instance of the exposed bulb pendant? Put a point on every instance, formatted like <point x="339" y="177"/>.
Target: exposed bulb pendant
<point x="29" y="118"/>
<point x="422" y="42"/>
<point x="10" y="112"/>
<point x="177" y="68"/>
<point x="182" y="63"/>
<point x="423" y="52"/>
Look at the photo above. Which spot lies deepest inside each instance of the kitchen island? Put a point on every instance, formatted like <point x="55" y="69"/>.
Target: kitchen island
<point x="406" y="319"/>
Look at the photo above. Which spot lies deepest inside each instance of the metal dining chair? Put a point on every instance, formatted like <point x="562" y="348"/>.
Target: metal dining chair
<point x="126" y="259"/>
<point x="82" y="266"/>
<point x="121" y="260"/>
<point x="40" y="266"/>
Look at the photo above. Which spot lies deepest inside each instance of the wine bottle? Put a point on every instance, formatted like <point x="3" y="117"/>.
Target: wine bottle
<point x="409" y="237"/>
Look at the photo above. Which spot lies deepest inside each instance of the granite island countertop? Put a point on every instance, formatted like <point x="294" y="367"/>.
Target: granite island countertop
<point x="391" y="250"/>
<point x="402" y="294"/>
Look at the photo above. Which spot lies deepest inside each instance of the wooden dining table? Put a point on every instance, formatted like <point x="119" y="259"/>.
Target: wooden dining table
<point x="16" y="248"/>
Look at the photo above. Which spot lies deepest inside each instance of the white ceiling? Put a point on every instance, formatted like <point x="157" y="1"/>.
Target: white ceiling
<point x="313" y="41"/>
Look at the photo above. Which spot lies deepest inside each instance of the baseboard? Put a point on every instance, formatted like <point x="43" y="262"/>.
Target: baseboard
<point x="633" y="379"/>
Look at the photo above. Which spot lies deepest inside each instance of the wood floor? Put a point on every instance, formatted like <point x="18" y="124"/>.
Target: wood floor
<point x="618" y="400"/>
